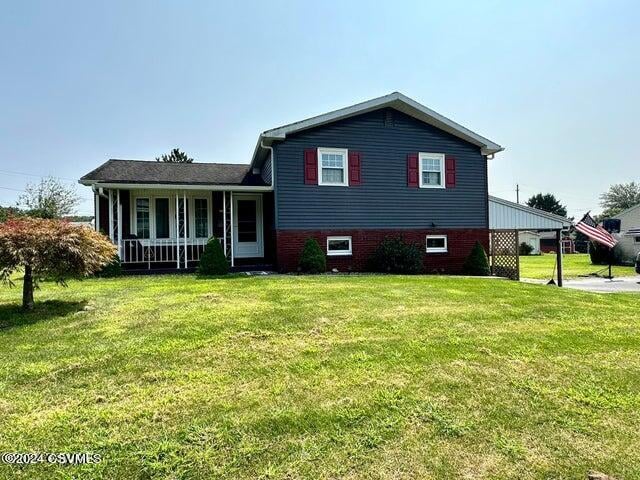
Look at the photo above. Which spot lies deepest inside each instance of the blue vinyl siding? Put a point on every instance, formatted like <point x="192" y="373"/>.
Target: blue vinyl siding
<point x="383" y="200"/>
<point x="265" y="171"/>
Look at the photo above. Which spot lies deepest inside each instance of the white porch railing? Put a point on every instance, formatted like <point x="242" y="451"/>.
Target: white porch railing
<point x="166" y="250"/>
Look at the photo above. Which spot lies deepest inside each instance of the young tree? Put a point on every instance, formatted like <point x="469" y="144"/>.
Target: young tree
<point x="53" y="249"/>
<point x="50" y="198"/>
<point x="175" y="156"/>
<point x="547" y="202"/>
<point x="619" y="197"/>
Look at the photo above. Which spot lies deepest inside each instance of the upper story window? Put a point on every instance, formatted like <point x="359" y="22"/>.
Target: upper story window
<point x="332" y="165"/>
<point x="431" y="170"/>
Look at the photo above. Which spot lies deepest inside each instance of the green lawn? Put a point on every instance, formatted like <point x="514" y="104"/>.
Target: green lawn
<point x="575" y="265"/>
<point x="321" y="377"/>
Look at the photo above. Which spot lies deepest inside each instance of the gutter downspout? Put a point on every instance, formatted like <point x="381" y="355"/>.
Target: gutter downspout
<point x="273" y="182"/>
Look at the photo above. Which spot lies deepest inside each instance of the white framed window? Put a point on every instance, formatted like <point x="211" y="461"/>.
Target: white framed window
<point x="637" y="239"/>
<point x="437" y="244"/>
<point x="332" y="167"/>
<point x="142" y="217"/>
<point x="201" y="217"/>
<point x="431" y="170"/>
<point x="338" y="246"/>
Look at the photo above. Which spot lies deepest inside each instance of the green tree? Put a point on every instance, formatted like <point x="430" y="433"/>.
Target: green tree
<point x="53" y="249"/>
<point x="547" y="202"/>
<point x="49" y="198"/>
<point x="174" y="156"/>
<point x="619" y="197"/>
<point x="9" y="212"/>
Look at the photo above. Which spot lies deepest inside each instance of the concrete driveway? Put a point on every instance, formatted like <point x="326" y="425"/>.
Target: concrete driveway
<point x="602" y="285"/>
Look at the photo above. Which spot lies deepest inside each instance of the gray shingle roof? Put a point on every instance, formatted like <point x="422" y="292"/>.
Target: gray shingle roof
<point x="144" y="171"/>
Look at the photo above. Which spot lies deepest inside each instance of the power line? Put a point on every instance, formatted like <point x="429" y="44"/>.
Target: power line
<point x="9" y="172"/>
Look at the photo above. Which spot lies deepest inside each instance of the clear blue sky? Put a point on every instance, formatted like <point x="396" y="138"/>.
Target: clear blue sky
<point x="556" y="83"/>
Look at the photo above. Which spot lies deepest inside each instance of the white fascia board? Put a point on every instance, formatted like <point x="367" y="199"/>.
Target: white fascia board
<point x="178" y="186"/>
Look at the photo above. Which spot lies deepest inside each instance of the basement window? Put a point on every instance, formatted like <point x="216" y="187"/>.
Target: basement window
<point x="437" y="244"/>
<point x="338" y="246"/>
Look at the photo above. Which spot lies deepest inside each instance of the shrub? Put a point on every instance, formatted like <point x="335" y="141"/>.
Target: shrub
<point x="394" y="255"/>
<point x="312" y="259"/>
<point x="598" y="253"/>
<point x="111" y="269"/>
<point x="525" y="249"/>
<point x="213" y="260"/>
<point x="477" y="262"/>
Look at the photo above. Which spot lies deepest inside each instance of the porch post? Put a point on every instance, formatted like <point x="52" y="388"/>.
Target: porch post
<point x="224" y="222"/>
<point x="184" y="210"/>
<point x="231" y="200"/>
<point x="111" y="216"/>
<point x="177" y="233"/>
<point x="119" y="213"/>
<point x="559" y="255"/>
<point x="96" y="217"/>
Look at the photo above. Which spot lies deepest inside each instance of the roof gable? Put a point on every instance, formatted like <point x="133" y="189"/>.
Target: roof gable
<point x="394" y="100"/>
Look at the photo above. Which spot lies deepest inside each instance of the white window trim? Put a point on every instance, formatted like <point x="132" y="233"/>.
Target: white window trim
<point x="192" y="219"/>
<point x="444" y="249"/>
<point x="342" y="151"/>
<point x="438" y="156"/>
<point x="152" y="225"/>
<point x="152" y="196"/>
<point x="134" y="223"/>
<point x="336" y="253"/>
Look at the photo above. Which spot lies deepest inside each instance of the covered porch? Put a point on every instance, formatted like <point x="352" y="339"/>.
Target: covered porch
<point x="167" y="227"/>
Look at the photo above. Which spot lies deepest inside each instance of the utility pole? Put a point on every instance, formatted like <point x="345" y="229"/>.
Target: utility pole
<point x="517" y="193"/>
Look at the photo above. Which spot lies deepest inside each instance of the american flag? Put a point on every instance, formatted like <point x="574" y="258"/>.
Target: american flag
<point x="595" y="232"/>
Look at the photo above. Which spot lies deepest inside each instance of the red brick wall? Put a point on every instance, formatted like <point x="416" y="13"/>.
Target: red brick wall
<point x="364" y="242"/>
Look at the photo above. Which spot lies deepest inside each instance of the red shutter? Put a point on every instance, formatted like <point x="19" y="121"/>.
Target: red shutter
<point x="412" y="170"/>
<point x="354" y="168"/>
<point x="311" y="166"/>
<point x="450" y="171"/>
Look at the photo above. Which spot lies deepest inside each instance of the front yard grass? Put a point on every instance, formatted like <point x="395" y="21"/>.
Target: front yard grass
<point x="574" y="265"/>
<point x="321" y="377"/>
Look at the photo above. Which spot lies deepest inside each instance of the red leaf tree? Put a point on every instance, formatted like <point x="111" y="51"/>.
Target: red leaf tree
<point x="52" y="249"/>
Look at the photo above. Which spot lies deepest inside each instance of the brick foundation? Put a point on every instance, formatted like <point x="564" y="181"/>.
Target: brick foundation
<point x="364" y="242"/>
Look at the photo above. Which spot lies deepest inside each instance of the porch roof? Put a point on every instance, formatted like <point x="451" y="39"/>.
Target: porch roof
<point x="146" y="172"/>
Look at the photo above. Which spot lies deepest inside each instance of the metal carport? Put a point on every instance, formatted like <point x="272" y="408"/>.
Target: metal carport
<point x="507" y="218"/>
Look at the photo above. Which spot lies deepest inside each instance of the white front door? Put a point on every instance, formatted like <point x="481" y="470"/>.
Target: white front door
<point x="247" y="225"/>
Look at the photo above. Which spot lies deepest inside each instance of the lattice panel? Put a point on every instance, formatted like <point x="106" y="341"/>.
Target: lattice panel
<point x="504" y="254"/>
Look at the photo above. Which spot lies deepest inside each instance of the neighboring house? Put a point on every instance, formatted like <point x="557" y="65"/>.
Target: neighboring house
<point x="629" y="237"/>
<point x="548" y="243"/>
<point x="348" y="178"/>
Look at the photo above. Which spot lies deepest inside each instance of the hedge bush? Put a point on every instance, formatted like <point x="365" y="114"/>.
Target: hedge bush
<point x="111" y="269"/>
<point x="213" y="260"/>
<point x="477" y="262"/>
<point x="312" y="259"/>
<point x="525" y="249"/>
<point x="394" y="255"/>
